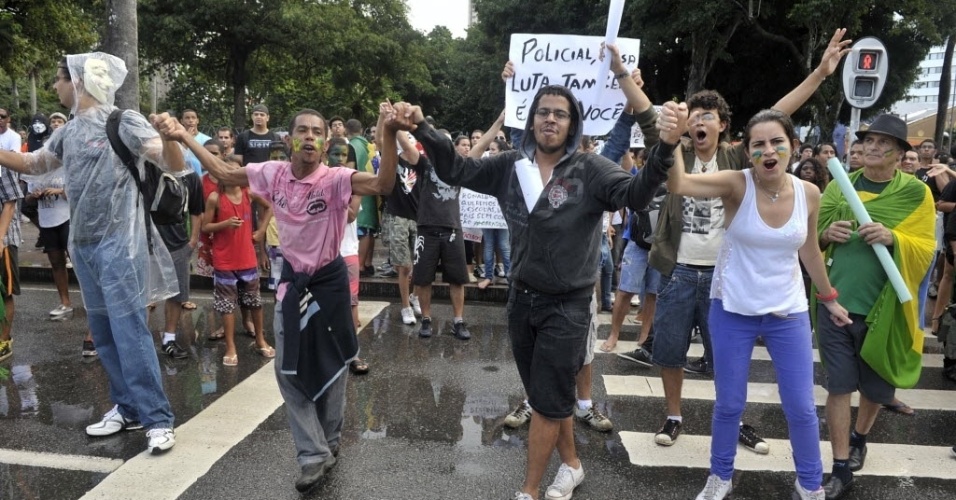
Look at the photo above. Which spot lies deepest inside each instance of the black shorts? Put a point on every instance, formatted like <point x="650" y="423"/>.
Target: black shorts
<point x="10" y="271"/>
<point x="439" y="244"/>
<point x="55" y="238"/>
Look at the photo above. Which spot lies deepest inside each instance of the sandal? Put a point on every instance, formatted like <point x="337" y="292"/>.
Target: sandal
<point x="189" y="306"/>
<point x="358" y="366"/>
<point x="901" y="408"/>
<point x="230" y="360"/>
<point x="607" y="347"/>
<point x="266" y="352"/>
<point x="485" y="283"/>
<point x="250" y="329"/>
<point x="218" y="334"/>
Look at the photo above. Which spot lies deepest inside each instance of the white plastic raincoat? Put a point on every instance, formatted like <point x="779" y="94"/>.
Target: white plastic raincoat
<point x="107" y="225"/>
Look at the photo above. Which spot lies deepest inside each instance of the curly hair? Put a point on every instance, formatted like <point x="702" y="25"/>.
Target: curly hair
<point x="712" y="100"/>
<point x="820" y="175"/>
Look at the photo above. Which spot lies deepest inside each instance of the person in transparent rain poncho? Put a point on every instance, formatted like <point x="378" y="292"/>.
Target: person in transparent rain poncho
<point x="118" y="274"/>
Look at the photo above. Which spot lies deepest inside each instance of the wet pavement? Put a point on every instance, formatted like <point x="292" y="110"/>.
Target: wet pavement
<point x="426" y="423"/>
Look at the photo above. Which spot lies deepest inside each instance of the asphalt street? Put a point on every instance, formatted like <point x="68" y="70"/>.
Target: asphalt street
<point x="426" y="423"/>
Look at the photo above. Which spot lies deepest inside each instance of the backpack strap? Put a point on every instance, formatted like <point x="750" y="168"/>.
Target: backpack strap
<point x="112" y="132"/>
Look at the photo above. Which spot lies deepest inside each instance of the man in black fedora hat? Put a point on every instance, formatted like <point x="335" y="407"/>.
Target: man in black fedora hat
<point x="881" y="350"/>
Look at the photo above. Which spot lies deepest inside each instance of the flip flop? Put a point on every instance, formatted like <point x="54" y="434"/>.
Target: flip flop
<point x="189" y="306"/>
<point x="901" y="408"/>
<point x="230" y="360"/>
<point x="607" y="348"/>
<point x="485" y="283"/>
<point x="218" y="334"/>
<point x="266" y="352"/>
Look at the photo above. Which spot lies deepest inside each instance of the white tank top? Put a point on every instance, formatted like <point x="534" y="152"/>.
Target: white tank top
<point x="758" y="269"/>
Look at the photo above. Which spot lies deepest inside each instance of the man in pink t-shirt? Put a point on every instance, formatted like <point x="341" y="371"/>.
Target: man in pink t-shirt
<point x="310" y="202"/>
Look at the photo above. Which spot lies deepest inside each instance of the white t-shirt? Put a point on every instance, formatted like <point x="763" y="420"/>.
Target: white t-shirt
<point x="52" y="210"/>
<point x="10" y="141"/>
<point x="350" y="242"/>
<point x="703" y="224"/>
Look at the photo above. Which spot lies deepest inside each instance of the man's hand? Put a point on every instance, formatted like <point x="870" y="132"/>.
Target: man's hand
<point x="406" y="116"/>
<point x="386" y="113"/>
<point x="836" y="49"/>
<point x="169" y="127"/>
<point x="672" y="122"/>
<point x="636" y="76"/>
<point x="617" y="65"/>
<point x="508" y="72"/>
<point x="839" y="231"/>
<point x="874" y="233"/>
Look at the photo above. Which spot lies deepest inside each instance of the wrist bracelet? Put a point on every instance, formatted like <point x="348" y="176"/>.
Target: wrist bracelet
<point x="829" y="298"/>
<point x="622" y="74"/>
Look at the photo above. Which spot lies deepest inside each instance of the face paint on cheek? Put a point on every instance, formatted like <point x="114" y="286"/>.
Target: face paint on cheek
<point x="889" y="153"/>
<point x="756" y="155"/>
<point x="783" y="152"/>
<point x="296" y="145"/>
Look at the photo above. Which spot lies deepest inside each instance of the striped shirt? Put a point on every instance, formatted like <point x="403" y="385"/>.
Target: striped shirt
<point x="10" y="191"/>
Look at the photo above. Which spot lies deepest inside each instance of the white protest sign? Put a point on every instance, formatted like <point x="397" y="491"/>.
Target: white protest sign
<point x="572" y="61"/>
<point x="637" y="136"/>
<point x="480" y="211"/>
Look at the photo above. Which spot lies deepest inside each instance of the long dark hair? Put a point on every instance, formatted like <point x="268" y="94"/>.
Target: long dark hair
<point x="821" y="177"/>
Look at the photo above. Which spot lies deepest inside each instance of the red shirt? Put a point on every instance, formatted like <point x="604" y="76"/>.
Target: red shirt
<point x="232" y="248"/>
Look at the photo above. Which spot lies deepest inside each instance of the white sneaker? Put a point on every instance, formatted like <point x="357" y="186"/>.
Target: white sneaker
<point x="521" y="496"/>
<point x="415" y="304"/>
<point x="635" y="301"/>
<point x="593" y="417"/>
<point x="160" y="440"/>
<point x="408" y="316"/>
<point x="564" y="483"/>
<point x="520" y="416"/>
<point x="716" y="488"/>
<point x="112" y="423"/>
<point x="802" y="494"/>
<point x="60" y="311"/>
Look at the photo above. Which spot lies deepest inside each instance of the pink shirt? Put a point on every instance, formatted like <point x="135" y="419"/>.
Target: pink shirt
<point x="311" y="213"/>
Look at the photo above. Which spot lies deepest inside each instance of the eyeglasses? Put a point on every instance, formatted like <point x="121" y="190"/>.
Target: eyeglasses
<point x="4" y="117"/>
<point x="703" y="117"/>
<point x="559" y="114"/>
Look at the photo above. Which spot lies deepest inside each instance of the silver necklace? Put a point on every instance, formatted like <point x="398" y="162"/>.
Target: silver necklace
<point x="772" y="195"/>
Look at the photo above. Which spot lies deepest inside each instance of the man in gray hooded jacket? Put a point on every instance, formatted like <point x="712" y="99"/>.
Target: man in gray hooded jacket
<point x="117" y="273"/>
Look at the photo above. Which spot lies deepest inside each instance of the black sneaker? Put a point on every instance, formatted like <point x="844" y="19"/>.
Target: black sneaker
<point x="639" y="356"/>
<point x="698" y="367"/>
<point x="89" y="350"/>
<point x="857" y="458"/>
<point x="173" y="350"/>
<point x="426" y="330"/>
<point x="954" y="451"/>
<point x="835" y="488"/>
<point x="460" y="331"/>
<point x="389" y="273"/>
<point x="749" y="438"/>
<point x="669" y="433"/>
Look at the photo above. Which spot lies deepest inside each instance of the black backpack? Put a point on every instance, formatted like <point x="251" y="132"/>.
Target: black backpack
<point x="164" y="196"/>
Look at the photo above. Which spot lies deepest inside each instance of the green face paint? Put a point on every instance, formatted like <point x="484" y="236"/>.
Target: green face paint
<point x="783" y="152"/>
<point x="757" y="155"/>
<point x="338" y="155"/>
<point x="296" y="145"/>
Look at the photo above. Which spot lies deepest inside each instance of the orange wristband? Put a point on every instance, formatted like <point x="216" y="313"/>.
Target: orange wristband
<point x="829" y="298"/>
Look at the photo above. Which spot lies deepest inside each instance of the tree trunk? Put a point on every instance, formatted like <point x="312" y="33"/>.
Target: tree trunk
<point x="239" y="80"/>
<point x="122" y="40"/>
<point x="33" y="92"/>
<point x="942" y="103"/>
<point x="15" y="90"/>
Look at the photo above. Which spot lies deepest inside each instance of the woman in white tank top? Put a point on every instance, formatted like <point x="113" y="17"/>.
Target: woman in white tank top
<point x="758" y="290"/>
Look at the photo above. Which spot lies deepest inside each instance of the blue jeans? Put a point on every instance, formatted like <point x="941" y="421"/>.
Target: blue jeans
<point x="496" y="239"/>
<point x="112" y="292"/>
<point x="790" y="344"/>
<point x="683" y="302"/>
<point x="607" y="272"/>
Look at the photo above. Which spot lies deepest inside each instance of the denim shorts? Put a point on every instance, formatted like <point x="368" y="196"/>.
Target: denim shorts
<point x="549" y="340"/>
<point x="637" y="276"/>
<point x="683" y="302"/>
<point x="846" y="372"/>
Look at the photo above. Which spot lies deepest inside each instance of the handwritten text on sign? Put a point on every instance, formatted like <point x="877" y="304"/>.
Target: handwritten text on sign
<point x="480" y="211"/>
<point x="571" y="61"/>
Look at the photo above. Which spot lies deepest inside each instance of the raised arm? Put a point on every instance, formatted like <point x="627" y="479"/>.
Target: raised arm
<point x="836" y="49"/>
<point x="672" y="124"/>
<point x="214" y="165"/>
<point x="367" y="183"/>
<point x="633" y="86"/>
<point x="482" y="145"/>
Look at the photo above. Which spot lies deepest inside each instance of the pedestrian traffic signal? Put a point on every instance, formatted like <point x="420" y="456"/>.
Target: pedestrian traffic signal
<point x="864" y="72"/>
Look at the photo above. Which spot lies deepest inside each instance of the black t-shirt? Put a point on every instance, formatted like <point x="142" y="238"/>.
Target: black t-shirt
<point x="438" y="204"/>
<point x="403" y="201"/>
<point x="253" y="147"/>
<point x="921" y="174"/>
<point x="176" y="236"/>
